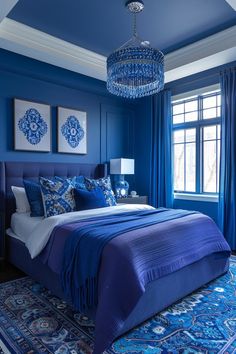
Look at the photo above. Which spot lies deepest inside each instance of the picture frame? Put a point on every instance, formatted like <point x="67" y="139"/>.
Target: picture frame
<point x="71" y="131"/>
<point x="32" y="126"/>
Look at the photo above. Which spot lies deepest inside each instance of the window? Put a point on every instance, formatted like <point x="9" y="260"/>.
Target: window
<point x="196" y="143"/>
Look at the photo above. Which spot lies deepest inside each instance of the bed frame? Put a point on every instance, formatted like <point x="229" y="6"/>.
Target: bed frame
<point x="159" y="294"/>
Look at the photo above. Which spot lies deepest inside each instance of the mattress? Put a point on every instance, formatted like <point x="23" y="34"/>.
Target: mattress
<point x="37" y="240"/>
<point x="35" y="231"/>
<point x="22" y="224"/>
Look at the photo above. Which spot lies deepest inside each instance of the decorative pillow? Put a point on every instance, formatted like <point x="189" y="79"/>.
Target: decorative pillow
<point x="93" y="199"/>
<point x="105" y="184"/>
<point x="76" y="181"/>
<point x="33" y="192"/>
<point x="57" y="196"/>
<point x="22" y="204"/>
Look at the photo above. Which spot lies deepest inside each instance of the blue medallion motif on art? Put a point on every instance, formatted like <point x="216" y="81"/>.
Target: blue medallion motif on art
<point x="72" y="131"/>
<point x="33" y="126"/>
<point x="33" y="320"/>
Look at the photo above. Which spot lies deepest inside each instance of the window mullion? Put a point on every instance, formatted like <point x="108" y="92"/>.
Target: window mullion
<point x="185" y="160"/>
<point x="217" y="161"/>
<point x="201" y="147"/>
<point x="198" y="148"/>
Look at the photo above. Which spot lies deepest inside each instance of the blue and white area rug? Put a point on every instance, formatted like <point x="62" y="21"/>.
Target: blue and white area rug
<point x="33" y="321"/>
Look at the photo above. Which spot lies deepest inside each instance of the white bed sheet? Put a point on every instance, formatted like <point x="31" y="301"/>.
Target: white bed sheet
<point x="37" y="238"/>
<point x="22" y="225"/>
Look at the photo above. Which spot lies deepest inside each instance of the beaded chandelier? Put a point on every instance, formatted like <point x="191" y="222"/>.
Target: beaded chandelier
<point x="135" y="69"/>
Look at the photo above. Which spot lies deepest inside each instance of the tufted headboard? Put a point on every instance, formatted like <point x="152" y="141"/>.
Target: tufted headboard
<point x="13" y="173"/>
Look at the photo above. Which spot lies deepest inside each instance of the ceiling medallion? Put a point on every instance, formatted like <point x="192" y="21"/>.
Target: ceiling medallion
<point x="135" y="6"/>
<point x="135" y="69"/>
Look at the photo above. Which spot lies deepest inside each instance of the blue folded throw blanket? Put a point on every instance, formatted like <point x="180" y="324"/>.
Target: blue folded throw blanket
<point x="83" y="250"/>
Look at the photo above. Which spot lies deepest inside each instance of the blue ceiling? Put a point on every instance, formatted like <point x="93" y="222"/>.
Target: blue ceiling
<point x="104" y="25"/>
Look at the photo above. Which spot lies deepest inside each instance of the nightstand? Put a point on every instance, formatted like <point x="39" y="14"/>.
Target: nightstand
<point x="134" y="200"/>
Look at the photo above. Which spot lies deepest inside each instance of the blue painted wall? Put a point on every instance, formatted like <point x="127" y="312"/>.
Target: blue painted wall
<point x="29" y="79"/>
<point x="208" y="208"/>
<point x="110" y="120"/>
<point x="116" y="127"/>
<point x="142" y="151"/>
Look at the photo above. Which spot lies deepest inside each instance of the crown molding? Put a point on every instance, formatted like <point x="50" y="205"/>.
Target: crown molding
<point x="200" y="91"/>
<point x="202" y="49"/>
<point x="25" y="40"/>
<point x="210" y="52"/>
<point x="6" y="7"/>
<point x="205" y="54"/>
<point x="232" y="3"/>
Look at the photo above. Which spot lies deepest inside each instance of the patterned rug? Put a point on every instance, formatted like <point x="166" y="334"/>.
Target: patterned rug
<point x="33" y="321"/>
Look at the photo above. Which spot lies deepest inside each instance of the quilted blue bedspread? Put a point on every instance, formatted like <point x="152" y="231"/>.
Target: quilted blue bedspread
<point x="114" y="259"/>
<point x="83" y="250"/>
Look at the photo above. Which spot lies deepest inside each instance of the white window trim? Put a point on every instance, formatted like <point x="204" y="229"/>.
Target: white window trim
<point x="197" y="197"/>
<point x="197" y="92"/>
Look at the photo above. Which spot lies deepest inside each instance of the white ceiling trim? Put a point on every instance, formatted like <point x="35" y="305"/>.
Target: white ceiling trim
<point x="210" y="52"/>
<point x="232" y="3"/>
<point x="197" y="92"/>
<point x="5" y="7"/>
<point x="25" y="40"/>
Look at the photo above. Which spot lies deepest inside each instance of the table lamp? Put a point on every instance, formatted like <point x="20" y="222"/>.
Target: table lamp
<point x="121" y="167"/>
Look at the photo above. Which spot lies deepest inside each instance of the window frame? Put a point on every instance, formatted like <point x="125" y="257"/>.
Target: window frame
<point x="198" y="125"/>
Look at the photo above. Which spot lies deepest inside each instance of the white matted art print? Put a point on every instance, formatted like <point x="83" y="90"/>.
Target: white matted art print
<point x="32" y="126"/>
<point x="72" y="131"/>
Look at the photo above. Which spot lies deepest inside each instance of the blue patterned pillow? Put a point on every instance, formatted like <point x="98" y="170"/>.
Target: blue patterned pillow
<point x="105" y="184"/>
<point x="57" y="196"/>
<point x="77" y="181"/>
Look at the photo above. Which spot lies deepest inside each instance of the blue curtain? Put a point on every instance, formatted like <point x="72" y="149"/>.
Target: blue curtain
<point x="161" y="154"/>
<point x="227" y="195"/>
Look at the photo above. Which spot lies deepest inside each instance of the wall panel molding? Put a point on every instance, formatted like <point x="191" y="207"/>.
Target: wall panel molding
<point x="116" y="122"/>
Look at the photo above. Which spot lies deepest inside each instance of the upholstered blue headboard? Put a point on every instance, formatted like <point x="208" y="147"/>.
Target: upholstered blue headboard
<point x="13" y="173"/>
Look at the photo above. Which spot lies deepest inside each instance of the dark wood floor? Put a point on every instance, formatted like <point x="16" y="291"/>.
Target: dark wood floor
<point x="9" y="272"/>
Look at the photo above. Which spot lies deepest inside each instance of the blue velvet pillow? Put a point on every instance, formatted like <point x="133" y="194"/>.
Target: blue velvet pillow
<point x="93" y="199"/>
<point x="33" y="192"/>
<point x="105" y="184"/>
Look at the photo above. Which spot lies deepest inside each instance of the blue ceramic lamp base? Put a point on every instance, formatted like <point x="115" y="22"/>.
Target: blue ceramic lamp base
<point x="121" y="187"/>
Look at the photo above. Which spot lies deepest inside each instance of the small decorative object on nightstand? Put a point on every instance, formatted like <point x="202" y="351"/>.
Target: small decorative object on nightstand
<point x="121" y="167"/>
<point x="134" y="200"/>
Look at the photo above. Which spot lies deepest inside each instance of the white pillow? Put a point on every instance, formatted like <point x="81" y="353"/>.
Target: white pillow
<point x="22" y="204"/>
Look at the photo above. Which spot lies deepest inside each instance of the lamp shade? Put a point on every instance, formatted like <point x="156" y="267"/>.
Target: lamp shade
<point x="122" y="166"/>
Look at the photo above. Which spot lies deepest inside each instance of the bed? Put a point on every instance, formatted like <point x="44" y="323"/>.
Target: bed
<point x="157" y="295"/>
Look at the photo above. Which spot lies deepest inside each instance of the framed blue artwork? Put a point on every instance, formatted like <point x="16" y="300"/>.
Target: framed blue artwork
<point x="32" y="126"/>
<point x="72" y="131"/>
